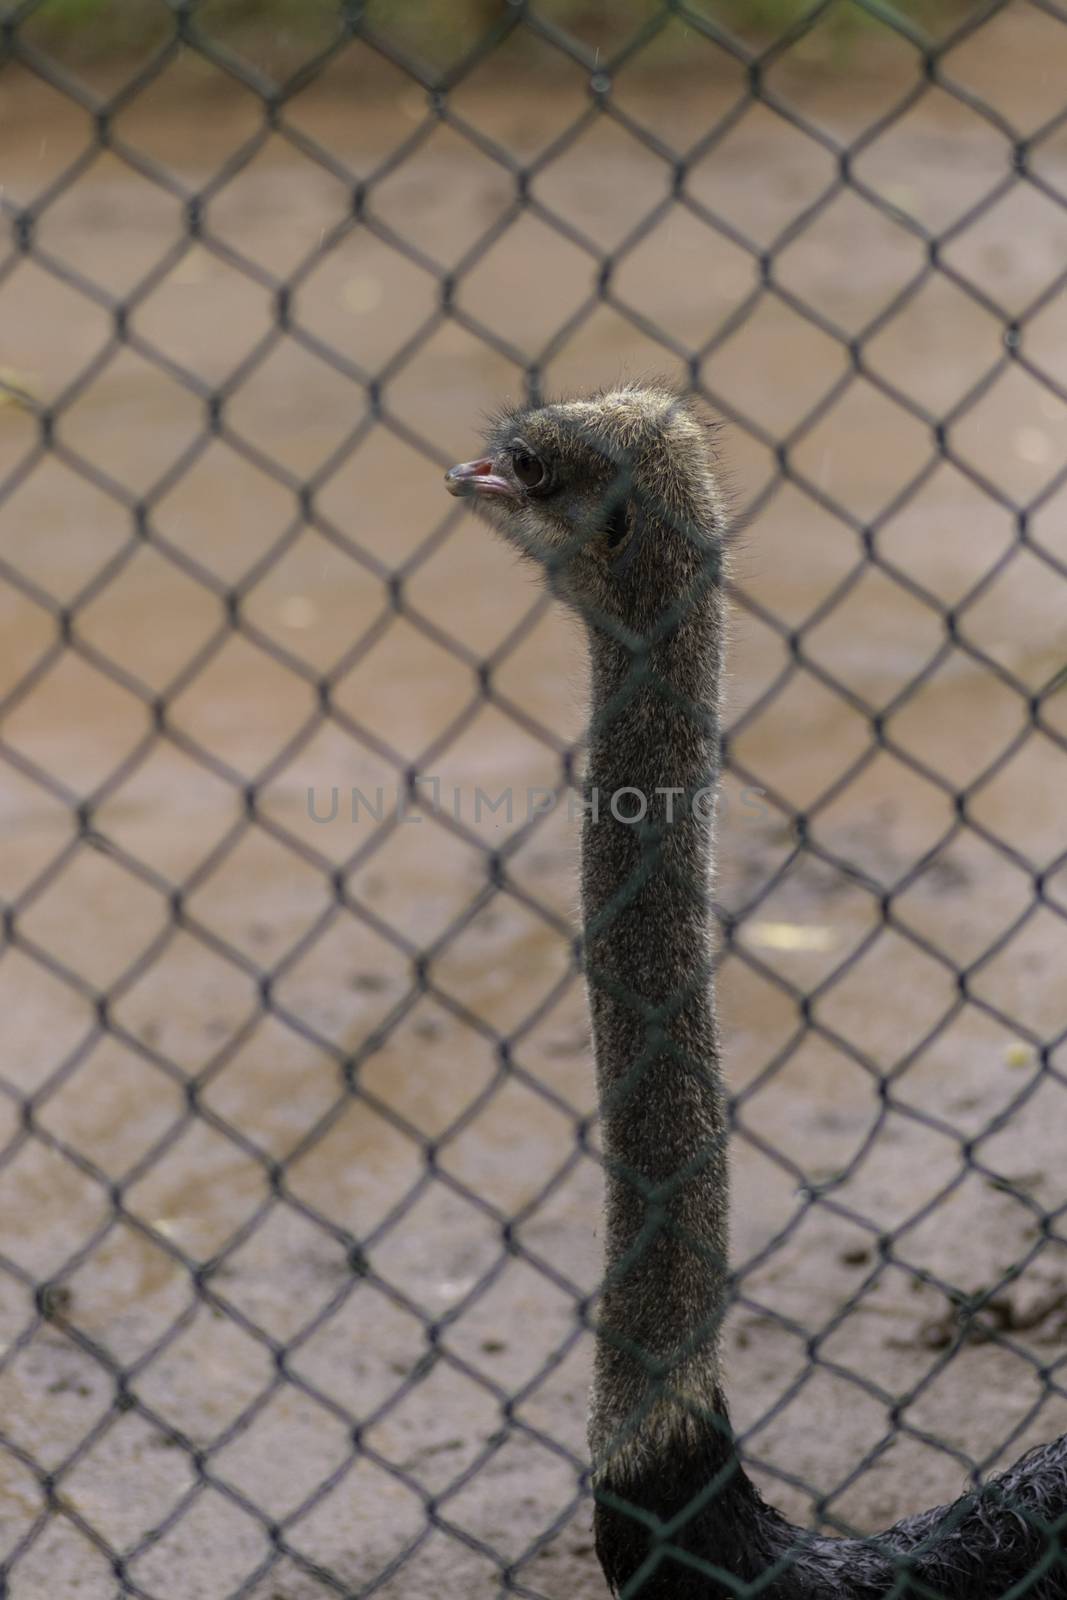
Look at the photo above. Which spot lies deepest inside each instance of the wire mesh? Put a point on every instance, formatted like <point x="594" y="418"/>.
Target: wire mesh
<point x="272" y="1545"/>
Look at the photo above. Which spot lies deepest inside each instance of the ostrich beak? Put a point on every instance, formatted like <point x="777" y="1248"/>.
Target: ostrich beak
<point x="476" y="477"/>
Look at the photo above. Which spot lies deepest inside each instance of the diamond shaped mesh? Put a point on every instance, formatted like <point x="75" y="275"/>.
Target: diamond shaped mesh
<point x="300" y="1156"/>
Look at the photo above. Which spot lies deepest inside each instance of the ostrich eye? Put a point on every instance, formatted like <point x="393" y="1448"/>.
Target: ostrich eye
<point x="529" y="471"/>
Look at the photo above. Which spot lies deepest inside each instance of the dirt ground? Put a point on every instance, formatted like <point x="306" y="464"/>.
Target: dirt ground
<point x="463" y="1364"/>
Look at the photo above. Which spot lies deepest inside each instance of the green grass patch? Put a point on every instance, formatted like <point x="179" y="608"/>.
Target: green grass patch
<point x="278" y="34"/>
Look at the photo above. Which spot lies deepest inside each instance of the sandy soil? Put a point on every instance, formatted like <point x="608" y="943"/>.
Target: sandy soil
<point x="343" y="1280"/>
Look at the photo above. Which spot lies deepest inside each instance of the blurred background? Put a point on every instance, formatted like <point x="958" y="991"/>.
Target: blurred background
<point x="280" y="1066"/>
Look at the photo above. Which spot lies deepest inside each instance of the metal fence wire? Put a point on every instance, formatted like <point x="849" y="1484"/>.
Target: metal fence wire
<point x="48" y="1478"/>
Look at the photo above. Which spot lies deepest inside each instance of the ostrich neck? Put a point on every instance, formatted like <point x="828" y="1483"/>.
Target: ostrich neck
<point x="648" y="953"/>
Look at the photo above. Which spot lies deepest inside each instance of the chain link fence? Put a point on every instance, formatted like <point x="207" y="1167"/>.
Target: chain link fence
<point x="300" y="1160"/>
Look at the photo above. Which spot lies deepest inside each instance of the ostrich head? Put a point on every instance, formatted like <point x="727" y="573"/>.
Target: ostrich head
<point x="614" y="495"/>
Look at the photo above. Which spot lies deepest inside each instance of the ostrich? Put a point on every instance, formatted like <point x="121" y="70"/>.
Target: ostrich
<point x="617" y="498"/>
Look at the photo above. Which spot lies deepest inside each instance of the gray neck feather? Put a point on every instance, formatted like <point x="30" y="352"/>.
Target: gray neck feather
<point x="648" y="952"/>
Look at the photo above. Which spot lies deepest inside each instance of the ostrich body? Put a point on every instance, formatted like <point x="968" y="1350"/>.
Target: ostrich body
<point x="617" y="498"/>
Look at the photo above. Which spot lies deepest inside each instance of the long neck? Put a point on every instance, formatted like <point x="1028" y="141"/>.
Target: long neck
<point x="676" y="1517"/>
<point x="648" y="953"/>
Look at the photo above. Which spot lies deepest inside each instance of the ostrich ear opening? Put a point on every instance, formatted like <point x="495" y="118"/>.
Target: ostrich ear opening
<point x="618" y="524"/>
<point x="620" y="528"/>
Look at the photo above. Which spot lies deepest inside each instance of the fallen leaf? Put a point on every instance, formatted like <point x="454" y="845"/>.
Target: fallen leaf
<point x="17" y="389"/>
<point x="790" y="936"/>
